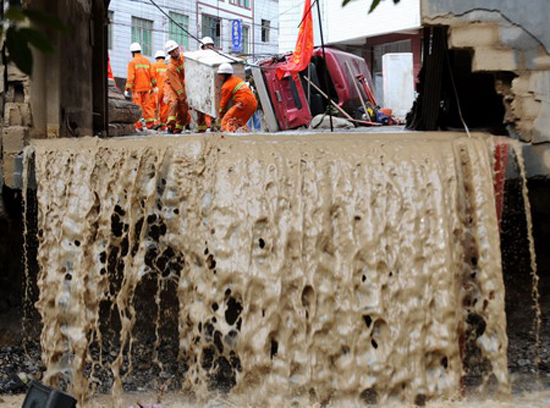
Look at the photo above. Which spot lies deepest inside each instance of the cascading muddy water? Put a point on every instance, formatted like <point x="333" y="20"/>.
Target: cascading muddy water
<point x="341" y="267"/>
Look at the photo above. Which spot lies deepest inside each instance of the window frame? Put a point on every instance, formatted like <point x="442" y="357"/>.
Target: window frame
<point x="265" y="33"/>
<point x="212" y="33"/>
<point x="247" y="37"/>
<point x="175" y="33"/>
<point x="137" y="34"/>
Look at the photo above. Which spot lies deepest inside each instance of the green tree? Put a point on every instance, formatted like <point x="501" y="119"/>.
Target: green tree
<point x="18" y="37"/>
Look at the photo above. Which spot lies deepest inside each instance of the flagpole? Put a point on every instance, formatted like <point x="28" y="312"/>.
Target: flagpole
<point x="326" y="70"/>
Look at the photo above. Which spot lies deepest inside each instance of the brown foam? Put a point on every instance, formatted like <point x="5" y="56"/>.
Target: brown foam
<point x="343" y="266"/>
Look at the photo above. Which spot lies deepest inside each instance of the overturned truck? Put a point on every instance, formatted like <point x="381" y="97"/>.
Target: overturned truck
<point x="334" y="79"/>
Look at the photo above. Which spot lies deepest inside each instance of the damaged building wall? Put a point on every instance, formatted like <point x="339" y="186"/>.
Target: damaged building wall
<point x="505" y="36"/>
<point x="60" y="99"/>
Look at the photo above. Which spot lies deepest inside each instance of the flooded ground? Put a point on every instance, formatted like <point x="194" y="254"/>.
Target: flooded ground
<point x="525" y="399"/>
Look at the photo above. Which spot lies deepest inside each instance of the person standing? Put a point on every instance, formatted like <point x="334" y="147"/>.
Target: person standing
<point x="178" y="109"/>
<point x="159" y="76"/>
<point x="236" y="90"/>
<point x="139" y="86"/>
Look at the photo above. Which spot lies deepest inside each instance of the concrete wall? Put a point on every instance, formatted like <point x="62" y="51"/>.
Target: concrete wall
<point x="530" y="16"/>
<point x="505" y="36"/>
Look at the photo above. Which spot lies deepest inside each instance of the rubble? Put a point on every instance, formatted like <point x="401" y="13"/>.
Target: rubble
<point x="122" y="113"/>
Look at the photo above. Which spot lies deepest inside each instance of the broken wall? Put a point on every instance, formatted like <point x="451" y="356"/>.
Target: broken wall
<point x="64" y="94"/>
<point x="505" y="36"/>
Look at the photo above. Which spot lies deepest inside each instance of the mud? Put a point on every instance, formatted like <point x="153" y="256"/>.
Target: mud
<point x="337" y="267"/>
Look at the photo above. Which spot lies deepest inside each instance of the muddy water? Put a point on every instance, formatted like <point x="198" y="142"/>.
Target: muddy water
<point x="537" y="322"/>
<point x="337" y="267"/>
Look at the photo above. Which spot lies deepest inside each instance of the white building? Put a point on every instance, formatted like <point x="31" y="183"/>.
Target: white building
<point x="140" y="21"/>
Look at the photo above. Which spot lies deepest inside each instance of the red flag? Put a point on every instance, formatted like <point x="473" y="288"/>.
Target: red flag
<point x="304" y="45"/>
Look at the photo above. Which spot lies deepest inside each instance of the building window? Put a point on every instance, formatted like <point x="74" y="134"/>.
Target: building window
<point x="247" y="3"/>
<point x="111" y="17"/>
<point x="176" y="33"/>
<point x="265" y="30"/>
<point x="245" y="40"/>
<point x="142" y="33"/>
<point x="211" y="27"/>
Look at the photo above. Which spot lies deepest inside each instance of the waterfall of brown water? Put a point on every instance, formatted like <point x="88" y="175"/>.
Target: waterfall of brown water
<point x="341" y="266"/>
<point x="537" y="321"/>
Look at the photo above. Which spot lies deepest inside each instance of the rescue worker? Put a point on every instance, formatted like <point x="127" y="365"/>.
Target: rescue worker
<point x="159" y="77"/>
<point x="236" y="90"/>
<point x="140" y="86"/>
<point x="178" y="109"/>
<point x="204" y="121"/>
<point x="207" y="43"/>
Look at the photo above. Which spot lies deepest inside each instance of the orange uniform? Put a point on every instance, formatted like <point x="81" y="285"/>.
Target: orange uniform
<point x="245" y="104"/>
<point x="161" y="108"/>
<point x="178" y="110"/>
<point x="140" y="82"/>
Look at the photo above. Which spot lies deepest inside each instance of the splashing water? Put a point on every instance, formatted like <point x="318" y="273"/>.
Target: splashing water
<point x="337" y="267"/>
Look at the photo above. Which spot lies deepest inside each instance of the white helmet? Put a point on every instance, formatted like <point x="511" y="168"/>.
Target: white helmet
<point x="160" y="54"/>
<point x="135" y="47"/>
<point x="225" y="68"/>
<point x="170" y="46"/>
<point x="207" y="41"/>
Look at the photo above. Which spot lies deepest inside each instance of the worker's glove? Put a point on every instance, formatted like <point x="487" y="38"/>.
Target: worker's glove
<point x="156" y="90"/>
<point x="128" y="94"/>
<point x="166" y="100"/>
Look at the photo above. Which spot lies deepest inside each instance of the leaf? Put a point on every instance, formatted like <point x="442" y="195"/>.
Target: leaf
<point x="345" y="2"/>
<point x="19" y="52"/>
<point x="374" y="4"/>
<point x="15" y="14"/>
<point x="47" y="20"/>
<point x="37" y="39"/>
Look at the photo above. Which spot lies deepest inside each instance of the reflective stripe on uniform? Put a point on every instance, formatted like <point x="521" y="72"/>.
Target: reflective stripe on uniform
<point x="142" y="66"/>
<point x="180" y="91"/>
<point x="129" y="85"/>
<point x="171" y="118"/>
<point x="238" y="87"/>
<point x="179" y="126"/>
<point x="161" y="69"/>
<point x="179" y="68"/>
<point x="149" y="120"/>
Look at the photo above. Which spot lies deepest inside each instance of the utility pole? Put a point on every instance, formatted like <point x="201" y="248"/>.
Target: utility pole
<point x="325" y="61"/>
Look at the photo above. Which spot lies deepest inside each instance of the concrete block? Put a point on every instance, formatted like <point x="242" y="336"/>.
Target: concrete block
<point x="17" y="114"/>
<point x="474" y="35"/>
<point x="204" y="90"/>
<point x="494" y="59"/>
<point x="14" y="139"/>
